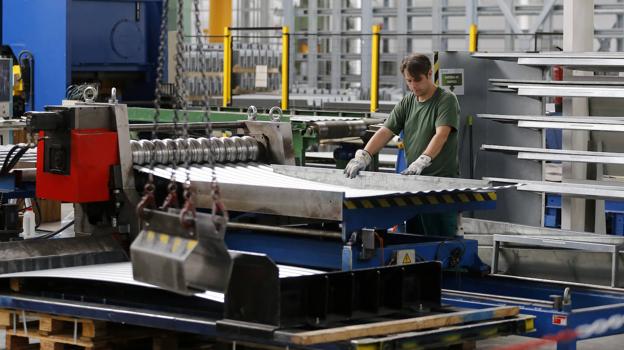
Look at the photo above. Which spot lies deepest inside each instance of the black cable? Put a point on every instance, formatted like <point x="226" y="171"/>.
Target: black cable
<point x="14" y="160"/>
<point x="52" y="234"/>
<point x="37" y="213"/>
<point x="8" y="156"/>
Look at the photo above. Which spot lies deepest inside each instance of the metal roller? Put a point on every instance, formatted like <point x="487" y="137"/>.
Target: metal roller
<point x="137" y="152"/>
<point x="218" y="150"/>
<point x="335" y="129"/>
<point x="241" y="148"/>
<point x="230" y="149"/>
<point x="170" y="151"/>
<point x="195" y="150"/>
<point x="160" y="152"/>
<point x="253" y="150"/>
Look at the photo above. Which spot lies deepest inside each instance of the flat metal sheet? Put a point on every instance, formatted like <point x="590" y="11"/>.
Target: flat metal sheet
<point x="535" y="118"/>
<point x="318" y="118"/>
<point x="483" y="230"/>
<point x="531" y="153"/>
<point x="581" y="61"/>
<point x="571" y="126"/>
<point x="569" y="91"/>
<point x="510" y="82"/>
<point x="594" y="189"/>
<point x="122" y="273"/>
<point x="550" y="88"/>
<point x="389" y="159"/>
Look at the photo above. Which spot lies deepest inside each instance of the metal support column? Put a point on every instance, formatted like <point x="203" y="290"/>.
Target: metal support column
<point x="578" y="36"/>
<point x="336" y="45"/>
<point x="285" y="66"/>
<point x="365" y="61"/>
<point x="472" y="23"/>
<point x="439" y="25"/>
<point x="401" y="41"/>
<point x="227" y="66"/>
<point x="289" y="21"/>
<point x="374" y="78"/>
<point x="619" y="24"/>
<point x="313" y="43"/>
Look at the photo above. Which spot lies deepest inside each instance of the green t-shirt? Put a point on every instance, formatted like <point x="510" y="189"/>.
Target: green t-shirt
<point x="418" y="121"/>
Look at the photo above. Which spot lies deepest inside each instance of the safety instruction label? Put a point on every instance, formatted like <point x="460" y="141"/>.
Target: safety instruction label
<point x="452" y="80"/>
<point x="407" y="256"/>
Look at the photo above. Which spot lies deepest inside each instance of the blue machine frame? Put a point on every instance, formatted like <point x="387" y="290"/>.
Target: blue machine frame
<point x="588" y="304"/>
<point x="66" y="37"/>
<point x="377" y="213"/>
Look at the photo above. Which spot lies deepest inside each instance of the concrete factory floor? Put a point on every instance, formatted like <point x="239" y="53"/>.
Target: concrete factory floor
<point x="615" y="342"/>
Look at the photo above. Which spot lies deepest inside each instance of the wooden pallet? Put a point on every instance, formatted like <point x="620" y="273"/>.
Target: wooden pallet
<point x="56" y="332"/>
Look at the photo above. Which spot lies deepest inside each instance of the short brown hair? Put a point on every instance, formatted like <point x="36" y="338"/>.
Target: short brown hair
<point x="416" y="65"/>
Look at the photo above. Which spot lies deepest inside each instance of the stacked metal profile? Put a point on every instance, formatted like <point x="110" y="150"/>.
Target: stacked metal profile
<point x="245" y="58"/>
<point x="577" y="246"/>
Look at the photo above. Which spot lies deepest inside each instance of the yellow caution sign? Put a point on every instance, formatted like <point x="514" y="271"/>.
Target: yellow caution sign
<point x="405" y="256"/>
<point x="406" y="259"/>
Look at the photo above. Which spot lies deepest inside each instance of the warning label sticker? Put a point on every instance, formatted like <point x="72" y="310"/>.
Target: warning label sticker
<point x="560" y="320"/>
<point x="407" y="256"/>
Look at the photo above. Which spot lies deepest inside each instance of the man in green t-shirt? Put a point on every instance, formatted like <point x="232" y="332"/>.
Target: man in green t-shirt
<point x="429" y="119"/>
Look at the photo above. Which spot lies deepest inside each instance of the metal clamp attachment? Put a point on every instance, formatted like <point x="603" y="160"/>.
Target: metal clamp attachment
<point x="252" y="113"/>
<point x="272" y="112"/>
<point x="89" y="94"/>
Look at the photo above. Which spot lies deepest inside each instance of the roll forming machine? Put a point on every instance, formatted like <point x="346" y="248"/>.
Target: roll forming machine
<point x="297" y="217"/>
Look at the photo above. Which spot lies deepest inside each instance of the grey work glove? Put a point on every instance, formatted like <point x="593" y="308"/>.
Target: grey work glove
<point x="361" y="160"/>
<point x="418" y="165"/>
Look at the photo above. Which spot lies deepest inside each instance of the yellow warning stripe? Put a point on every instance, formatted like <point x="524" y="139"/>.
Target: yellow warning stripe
<point x="436" y="68"/>
<point x="414" y="200"/>
<point x="350" y="205"/>
<point x="383" y="203"/>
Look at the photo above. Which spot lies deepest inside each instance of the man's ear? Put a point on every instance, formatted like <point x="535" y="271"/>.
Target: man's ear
<point x="430" y="73"/>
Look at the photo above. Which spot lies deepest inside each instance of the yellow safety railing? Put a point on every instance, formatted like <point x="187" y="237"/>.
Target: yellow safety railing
<point x="374" y="89"/>
<point x="473" y="38"/>
<point x="285" y="63"/>
<point x="227" y="67"/>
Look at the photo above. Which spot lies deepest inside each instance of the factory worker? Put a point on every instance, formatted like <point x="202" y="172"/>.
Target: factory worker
<point x="429" y="119"/>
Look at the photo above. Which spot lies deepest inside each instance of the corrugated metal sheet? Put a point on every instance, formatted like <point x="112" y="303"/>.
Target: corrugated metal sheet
<point x="265" y="176"/>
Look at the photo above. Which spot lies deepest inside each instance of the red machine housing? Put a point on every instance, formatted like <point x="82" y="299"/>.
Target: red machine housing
<point x="93" y="152"/>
